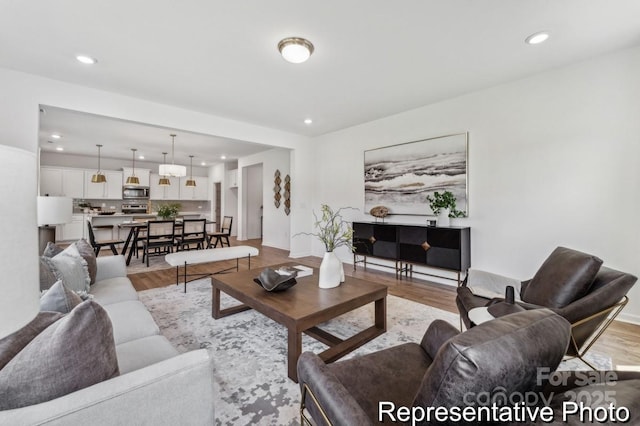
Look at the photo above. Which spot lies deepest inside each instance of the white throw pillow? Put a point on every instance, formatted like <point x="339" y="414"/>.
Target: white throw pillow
<point x="72" y="269"/>
<point x="490" y="285"/>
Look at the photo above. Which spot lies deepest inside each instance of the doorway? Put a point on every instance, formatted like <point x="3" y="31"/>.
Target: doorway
<point x="253" y="201"/>
<point x="217" y="202"/>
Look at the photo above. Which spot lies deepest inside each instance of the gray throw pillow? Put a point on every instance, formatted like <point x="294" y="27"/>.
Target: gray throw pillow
<point x="71" y="268"/>
<point x="52" y="249"/>
<point x="73" y="353"/>
<point x="59" y="299"/>
<point x="12" y="344"/>
<point x="48" y="276"/>
<point x="89" y="255"/>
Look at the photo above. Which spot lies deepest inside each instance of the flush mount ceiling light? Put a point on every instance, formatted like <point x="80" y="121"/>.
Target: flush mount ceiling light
<point x="172" y="169"/>
<point x="98" y="177"/>
<point x="133" y="179"/>
<point x="295" y="49"/>
<point x="191" y="181"/>
<point x="537" y="38"/>
<point x="164" y="181"/>
<point x="87" y="60"/>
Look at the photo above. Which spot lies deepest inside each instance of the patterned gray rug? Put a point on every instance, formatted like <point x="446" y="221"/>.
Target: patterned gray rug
<point x="249" y="350"/>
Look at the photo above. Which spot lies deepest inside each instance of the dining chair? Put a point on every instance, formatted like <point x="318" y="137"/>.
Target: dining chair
<point x="98" y="244"/>
<point x="223" y="235"/>
<point x="159" y="240"/>
<point x="193" y="232"/>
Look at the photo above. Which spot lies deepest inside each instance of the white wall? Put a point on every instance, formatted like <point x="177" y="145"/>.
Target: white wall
<point x="554" y="159"/>
<point x="276" y="224"/>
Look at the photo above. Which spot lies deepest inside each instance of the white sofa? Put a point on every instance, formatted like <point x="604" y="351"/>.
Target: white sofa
<point x="157" y="385"/>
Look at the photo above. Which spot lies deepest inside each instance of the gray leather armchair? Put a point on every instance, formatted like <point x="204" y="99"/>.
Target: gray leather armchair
<point x="572" y="284"/>
<point x="447" y="369"/>
<point x="509" y="357"/>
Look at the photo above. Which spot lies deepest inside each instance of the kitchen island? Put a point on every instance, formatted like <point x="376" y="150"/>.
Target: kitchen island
<point x="108" y="226"/>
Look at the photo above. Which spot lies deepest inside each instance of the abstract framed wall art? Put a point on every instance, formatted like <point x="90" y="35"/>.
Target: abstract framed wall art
<point x="401" y="176"/>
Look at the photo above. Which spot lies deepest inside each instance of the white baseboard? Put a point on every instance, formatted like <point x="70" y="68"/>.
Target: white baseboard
<point x="630" y="318"/>
<point x="270" y="244"/>
<point x="296" y="255"/>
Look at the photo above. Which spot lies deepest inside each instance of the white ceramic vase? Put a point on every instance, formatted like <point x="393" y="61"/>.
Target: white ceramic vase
<point x="331" y="271"/>
<point x="443" y="218"/>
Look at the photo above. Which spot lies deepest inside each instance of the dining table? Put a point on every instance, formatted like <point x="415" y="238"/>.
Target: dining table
<point x="134" y="233"/>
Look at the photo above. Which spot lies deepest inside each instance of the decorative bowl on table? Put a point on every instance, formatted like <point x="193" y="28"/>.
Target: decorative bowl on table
<point x="276" y="280"/>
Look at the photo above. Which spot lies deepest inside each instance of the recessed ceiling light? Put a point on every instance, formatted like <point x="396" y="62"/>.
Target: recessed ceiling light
<point x="59" y="148"/>
<point x="141" y="157"/>
<point x="87" y="60"/>
<point x="308" y="121"/>
<point x="203" y="164"/>
<point x="56" y="136"/>
<point x="537" y="38"/>
<point x="223" y="157"/>
<point x="295" y="49"/>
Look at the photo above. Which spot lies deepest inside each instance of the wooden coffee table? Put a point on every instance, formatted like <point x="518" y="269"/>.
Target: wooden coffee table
<point x="303" y="307"/>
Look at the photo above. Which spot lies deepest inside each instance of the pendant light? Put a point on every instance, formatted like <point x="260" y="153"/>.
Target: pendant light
<point x="164" y="181"/>
<point x="98" y="177"/>
<point x="133" y="179"/>
<point x="172" y="169"/>
<point x="191" y="181"/>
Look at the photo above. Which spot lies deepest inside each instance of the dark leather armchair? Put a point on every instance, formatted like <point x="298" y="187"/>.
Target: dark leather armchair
<point x="446" y="369"/>
<point x="511" y="356"/>
<point x="572" y="284"/>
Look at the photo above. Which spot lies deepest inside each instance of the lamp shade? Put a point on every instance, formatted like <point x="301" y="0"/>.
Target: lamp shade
<point x="54" y="210"/>
<point x="19" y="303"/>
<point x="173" y="170"/>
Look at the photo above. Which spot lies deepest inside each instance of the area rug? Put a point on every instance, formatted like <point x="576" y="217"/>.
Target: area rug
<point x="156" y="263"/>
<point x="249" y="350"/>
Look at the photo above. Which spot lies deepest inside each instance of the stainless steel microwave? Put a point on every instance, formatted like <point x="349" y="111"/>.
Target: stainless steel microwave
<point x="132" y="192"/>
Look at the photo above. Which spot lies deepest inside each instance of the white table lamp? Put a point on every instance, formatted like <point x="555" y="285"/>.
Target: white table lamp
<point x="52" y="211"/>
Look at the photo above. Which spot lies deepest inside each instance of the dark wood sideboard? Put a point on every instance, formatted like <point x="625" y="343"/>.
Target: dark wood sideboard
<point x="447" y="248"/>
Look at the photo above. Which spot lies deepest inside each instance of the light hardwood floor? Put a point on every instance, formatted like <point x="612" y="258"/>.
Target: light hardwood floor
<point x="621" y="341"/>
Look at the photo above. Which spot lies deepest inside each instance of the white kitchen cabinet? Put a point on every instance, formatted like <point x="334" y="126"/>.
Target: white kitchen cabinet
<point x="58" y="182"/>
<point x="110" y="190"/>
<point x="199" y="192"/>
<point x="74" y="230"/>
<point x="73" y="183"/>
<point x="157" y="192"/>
<point x="202" y="189"/>
<point x="51" y="182"/>
<point x="114" y="185"/>
<point x="93" y="190"/>
<point x="142" y="174"/>
<point x="232" y="178"/>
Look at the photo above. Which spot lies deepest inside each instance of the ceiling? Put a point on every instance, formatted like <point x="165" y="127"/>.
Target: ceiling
<point x="373" y="58"/>
<point x="81" y="132"/>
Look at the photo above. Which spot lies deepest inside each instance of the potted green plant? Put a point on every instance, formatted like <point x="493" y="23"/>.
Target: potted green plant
<point x="168" y="211"/>
<point x="443" y="205"/>
<point x="334" y="232"/>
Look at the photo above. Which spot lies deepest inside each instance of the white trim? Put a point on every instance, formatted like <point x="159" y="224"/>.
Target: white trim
<point x="630" y="318"/>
